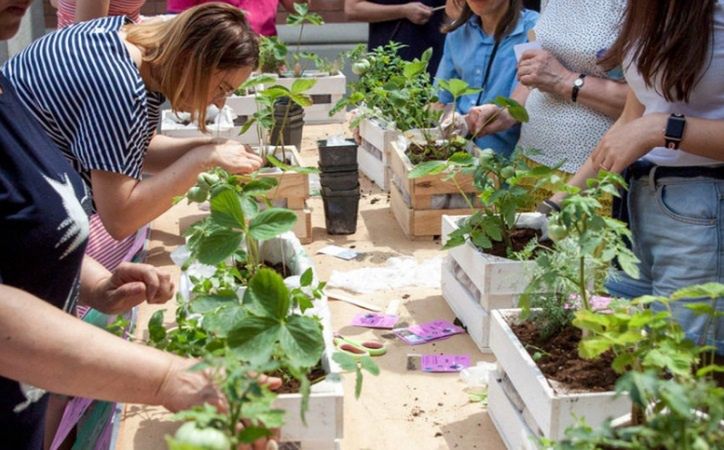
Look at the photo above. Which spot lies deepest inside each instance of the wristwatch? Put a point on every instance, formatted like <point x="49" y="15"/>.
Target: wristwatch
<point x="674" y="132"/>
<point x="577" y="85"/>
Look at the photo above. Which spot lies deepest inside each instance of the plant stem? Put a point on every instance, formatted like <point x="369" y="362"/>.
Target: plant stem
<point x="582" y="282"/>
<point x="460" y="189"/>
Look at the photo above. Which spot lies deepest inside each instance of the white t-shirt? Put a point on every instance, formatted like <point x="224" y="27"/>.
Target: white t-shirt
<point x="706" y="101"/>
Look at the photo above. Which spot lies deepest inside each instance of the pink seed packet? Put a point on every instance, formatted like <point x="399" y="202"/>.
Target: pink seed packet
<point x="375" y="320"/>
<point x="445" y="363"/>
<point x="436" y="329"/>
<point x="409" y="337"/>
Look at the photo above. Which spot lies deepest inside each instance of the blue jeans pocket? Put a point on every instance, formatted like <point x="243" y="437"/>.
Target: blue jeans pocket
<point x="695" y="203"/>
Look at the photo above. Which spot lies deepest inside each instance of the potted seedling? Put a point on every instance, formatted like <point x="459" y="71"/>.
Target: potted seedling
<point x="675" y="401"/>
<point x="237" y="308"/>
<point x="536" y="345"/>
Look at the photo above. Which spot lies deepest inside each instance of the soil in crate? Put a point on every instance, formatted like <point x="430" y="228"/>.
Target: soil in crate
<point x="291" y="385"/>
<point x="557" y="357"/>
<point x="520" y="237"/>
<point x="434" y="151"/>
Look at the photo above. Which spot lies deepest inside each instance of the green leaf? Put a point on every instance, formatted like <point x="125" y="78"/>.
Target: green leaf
<point x="249" y="206"/>
<point x="427" y="168"/>
<point x="254" y="337"/>
<point x="268" y="290"/>
<point x="357" y="382"/>
<point x="307" y="277"/>
<point x="218" y="246"/>
<point x="414" y="68"/>
<point x="206" y="303"/>
<point x="346" y="361"/>
<point x="156" y="330"/>
<point x="708" y="290"/>
<point x="226" y="209"/>
<point x="271" y="223"/>
<point x="369" y="365"/>
<point x="302" y="341"/>
<point x="301" y="100"/>
<point x="302" y="85"/>
<point x="250" y="433"/>
<point x="593" y="348"/>
<point x="223" y="320"/>
<point x="259" y="186"/>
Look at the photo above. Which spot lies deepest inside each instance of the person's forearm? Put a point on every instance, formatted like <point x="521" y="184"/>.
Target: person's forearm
<point x="90" y="9"/>
<point x="605" y="96"/>
<point x="125" y="204"/>
<point x="164" y="151"/>
<point x="52" y="350"/>
<point x="371" y="12"/>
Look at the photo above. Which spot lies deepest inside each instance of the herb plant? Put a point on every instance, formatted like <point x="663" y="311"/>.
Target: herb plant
<point x="301" y="16"/>
<point x="585" y="245"/>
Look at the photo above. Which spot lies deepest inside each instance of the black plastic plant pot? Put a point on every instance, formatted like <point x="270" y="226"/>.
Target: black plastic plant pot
<point x="340" y="210"/>
<point x="289" y="119"/>
<point x="339" y="181"/>
<point x="337" y="155"/>
<point x="335" y="169"/>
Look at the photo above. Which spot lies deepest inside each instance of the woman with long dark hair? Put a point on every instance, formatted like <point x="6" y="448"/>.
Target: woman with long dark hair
<point x="479" y="50"/>
<point x="671" y="137"/>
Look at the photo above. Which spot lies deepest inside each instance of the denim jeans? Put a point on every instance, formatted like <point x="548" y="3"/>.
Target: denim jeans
<point x="678" y="227"/>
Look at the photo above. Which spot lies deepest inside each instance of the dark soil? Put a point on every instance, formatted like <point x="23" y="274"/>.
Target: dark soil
<point x="520" y="238"/>
<point x="279" y="268"/>
<point x="560" y="360"/>
<point x="433" y="151"/>
<point x="291" y="385"/>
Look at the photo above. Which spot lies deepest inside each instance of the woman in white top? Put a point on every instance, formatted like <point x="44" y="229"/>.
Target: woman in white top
<point x="672" y="130"/>
<point x="570" y="98"/>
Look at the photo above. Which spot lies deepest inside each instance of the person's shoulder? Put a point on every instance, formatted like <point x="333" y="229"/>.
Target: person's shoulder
<point x="529" y="18"/>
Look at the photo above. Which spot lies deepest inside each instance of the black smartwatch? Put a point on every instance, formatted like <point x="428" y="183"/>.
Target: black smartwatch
<point x="577" y="85"/>
<point x="674" y="132"/>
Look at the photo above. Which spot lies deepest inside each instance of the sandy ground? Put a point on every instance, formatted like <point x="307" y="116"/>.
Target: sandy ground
<point x="398" y="409"/>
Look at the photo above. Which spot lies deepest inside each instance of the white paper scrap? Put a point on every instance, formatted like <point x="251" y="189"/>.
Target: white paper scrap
<point x="340" y="252"/>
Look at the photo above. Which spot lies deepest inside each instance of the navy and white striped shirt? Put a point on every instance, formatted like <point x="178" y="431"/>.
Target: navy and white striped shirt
<point x="81" y="84"/>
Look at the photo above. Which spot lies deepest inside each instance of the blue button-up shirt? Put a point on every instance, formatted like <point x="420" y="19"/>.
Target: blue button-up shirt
<point x="467" y="53"/>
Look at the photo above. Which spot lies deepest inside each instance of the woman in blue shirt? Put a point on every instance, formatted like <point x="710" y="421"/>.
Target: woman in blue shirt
<point x="479" y="50"/>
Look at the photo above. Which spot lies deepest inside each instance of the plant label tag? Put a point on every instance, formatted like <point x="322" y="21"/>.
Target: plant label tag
<point x="340" y="252"/>
<point x="436" y="329"/>
<point x="445" y="363"/>
<point x="375" y="320"/>
<point x="414" y="361"/>
<point x="408" y="337"/>
<point x="519" y="49"/>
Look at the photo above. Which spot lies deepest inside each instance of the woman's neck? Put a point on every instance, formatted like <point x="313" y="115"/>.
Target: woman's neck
<point x="490" y="21"/>
<point x="144" y="68"/>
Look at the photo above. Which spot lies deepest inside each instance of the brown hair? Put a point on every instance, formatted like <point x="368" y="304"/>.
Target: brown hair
<point x="505" y="26"/>
<point x="184" y="52"/>
<point x="668" y="42"/>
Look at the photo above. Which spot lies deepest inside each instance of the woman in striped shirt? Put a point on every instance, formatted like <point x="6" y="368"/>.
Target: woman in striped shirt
<point x="96" y="87"/>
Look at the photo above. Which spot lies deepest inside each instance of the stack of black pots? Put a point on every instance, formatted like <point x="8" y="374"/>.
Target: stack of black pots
<point x="339" y="176"/>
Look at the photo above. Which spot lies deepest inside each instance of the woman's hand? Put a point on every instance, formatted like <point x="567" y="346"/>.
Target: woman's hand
<point x="488" y="119"/>
<point x="233" y="157"/>
<point x="539" y="69"/>
<point x="129" y="285"/>
<point x="417" y="13"/>
<point x="626" y="143"/>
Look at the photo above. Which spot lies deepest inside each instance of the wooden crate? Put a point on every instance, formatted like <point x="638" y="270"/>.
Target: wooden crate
<point x="411" y="199"/>
<point x="242" y="105"/>
<point x="292" y="187"/>
<point x="550" y="410"/>
<point x="418" y="224"/>
<point x="373" y="152"/>
<point x="303" y="228"/>
<point x="508" y="418"/>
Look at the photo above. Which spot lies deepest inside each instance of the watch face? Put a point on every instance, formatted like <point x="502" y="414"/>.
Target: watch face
<point x="675" y="127"/>
<point x="578" y="82"/>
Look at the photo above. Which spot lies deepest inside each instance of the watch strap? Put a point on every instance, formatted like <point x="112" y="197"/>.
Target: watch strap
<point x="577" y="85"/>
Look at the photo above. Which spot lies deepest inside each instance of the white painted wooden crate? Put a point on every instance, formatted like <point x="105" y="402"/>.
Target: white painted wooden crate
<point x="324" y="417"/>
<point x="328" y="90"/>
<point x="499" y="281"/>
<point x="551" y="411"/>
<point x="507" y="418"/>
<point x="466" y="307"/>
<point x="173" y="129"/>
<point x="374" y="151"/>
<point x="242" y="105"/>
